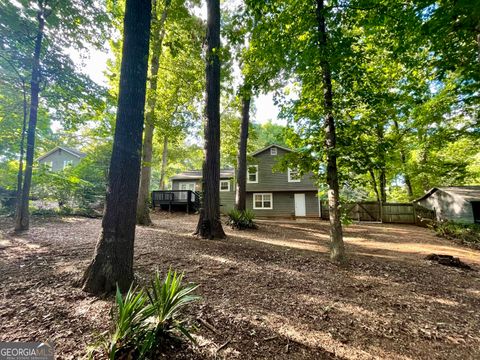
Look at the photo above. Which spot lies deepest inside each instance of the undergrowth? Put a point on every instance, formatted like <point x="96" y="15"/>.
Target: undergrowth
<point x="241" y="220"/>
<point x="467" y="234"/>
<point x="146" y="319"/>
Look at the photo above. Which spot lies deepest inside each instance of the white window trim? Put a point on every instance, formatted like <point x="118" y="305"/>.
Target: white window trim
<point x="49" y="165"/>
<point x="263" y="208"/>
<point x="66" y="163"/>
<point x="273" y="151"/>
<point x="224" y="181"/>
<point x="290" y="176"/>
<point x="248" y="173"/>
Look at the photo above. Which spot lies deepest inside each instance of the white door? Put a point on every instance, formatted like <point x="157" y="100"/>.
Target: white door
<point x="186" y="186"/>
<point x="300" y="205"/>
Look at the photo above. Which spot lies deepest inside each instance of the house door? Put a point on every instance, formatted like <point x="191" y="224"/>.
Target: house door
<point x="300" y="205"/>
<point x="186" y="186"/>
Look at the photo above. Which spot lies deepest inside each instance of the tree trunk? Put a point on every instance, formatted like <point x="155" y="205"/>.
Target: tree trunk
<point x="22" y="213"/>
<point x="158" y="27"/>
<point x="112" y="263"/>
<point x="241" y="194"/>
<point x="209" y="225"/>
<point x="403" y="159"/>
<point x="22" y="150"/>
<point x="374" y="184"/>
<point x="163" y="170"/>
<point x="337" y="251"/>
<point x="381" y="155"/>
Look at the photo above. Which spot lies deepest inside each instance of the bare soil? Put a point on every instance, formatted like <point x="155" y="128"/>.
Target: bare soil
<point x="267" y="294"/>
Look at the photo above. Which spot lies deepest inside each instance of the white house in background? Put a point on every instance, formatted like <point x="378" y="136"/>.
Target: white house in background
<point x="61" y="157"/>
<point x="454" y="203"/>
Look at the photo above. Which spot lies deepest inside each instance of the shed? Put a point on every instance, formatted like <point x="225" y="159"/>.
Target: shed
<point x="455" y="203"/>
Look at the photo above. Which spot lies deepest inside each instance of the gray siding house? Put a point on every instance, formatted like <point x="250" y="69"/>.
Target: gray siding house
<point x="60" y="157"/>
<point x="270" y="193"/>
<point x="455" y="203"/>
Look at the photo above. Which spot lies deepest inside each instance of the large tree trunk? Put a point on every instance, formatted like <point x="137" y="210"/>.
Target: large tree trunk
<point x="112" y="263"/>
<point x="22" y="213"/>
<point x="158" y="27"/>
<point x="241" y="194"/>
<point x="337" y="251"/>
<point x="163" y="170"/>
<point x="209" y="225"/>
<point x="22" y="149"/>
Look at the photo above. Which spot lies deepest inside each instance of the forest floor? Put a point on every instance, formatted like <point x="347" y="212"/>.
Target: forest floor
<point x="267" y="294"/>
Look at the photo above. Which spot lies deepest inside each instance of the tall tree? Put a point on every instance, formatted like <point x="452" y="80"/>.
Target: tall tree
<point x="37" y="32"/>
<point x="336" y="233"/>
<point x="209" y="225"/>
<point x="158" y="33"/>
<point x="241" y="193"/>
<point x="112" y="263"/>
<point x="22" y="215"/>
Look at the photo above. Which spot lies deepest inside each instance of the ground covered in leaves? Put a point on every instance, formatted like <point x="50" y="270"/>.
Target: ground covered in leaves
<point x="269" y="293"/>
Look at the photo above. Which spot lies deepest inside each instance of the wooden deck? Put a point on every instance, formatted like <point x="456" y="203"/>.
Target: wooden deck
<point x="168" y="199"/>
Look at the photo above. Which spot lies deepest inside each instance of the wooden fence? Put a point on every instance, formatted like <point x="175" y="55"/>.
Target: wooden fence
<point x="400" y="213"/>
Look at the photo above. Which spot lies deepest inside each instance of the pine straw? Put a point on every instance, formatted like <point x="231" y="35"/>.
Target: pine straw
<point x="270" y="293"/>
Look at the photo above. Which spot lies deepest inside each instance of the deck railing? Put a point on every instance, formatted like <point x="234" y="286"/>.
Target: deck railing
<point x="176" y="197"/>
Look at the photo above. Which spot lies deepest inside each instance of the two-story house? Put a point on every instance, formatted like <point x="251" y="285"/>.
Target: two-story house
<point x="270" y="193"/>
<point x="60" y="158"/>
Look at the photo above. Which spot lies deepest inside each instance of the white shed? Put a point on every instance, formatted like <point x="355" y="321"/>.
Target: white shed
<point x="454" y="203"/>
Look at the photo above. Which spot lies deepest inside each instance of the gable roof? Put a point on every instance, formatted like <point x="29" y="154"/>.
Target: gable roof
<point x="467" y="193"/>
<point x="197" y="174"/>
<point x="224" y="173"/>
<point x="270" y="146"/>
<point x="74" y="152"/>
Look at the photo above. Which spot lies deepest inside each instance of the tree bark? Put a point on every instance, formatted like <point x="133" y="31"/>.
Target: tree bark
<point x="383" y="176"/>
<point x="22" y="214"/>
<point x="163" y="170"/>
<point x="209" y="225"/>
<point x="112" y="263"/>
<point x="337" y="251"/>
<point x="241" y="194"/>
<point x="403" y="160"/>
<point x="22" y="150"/>
<point x="158" y="27"/>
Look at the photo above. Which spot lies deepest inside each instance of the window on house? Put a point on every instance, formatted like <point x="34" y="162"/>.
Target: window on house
<point x="48" y="165"/>
<point x="293" y="175"/>
<point x="224" y="185"/>
<point x="273" y="151"/>
<point x="263" y="201"/>
<point x="252" y="174"/>
<point x="67" y="163"/>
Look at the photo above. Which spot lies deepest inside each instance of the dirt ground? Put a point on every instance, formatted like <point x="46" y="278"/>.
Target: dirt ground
<point x="267" y="294"/>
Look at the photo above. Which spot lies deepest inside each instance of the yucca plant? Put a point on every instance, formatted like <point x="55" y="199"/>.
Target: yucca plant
<point x="130" y="326"/>
<point x="166" y="300"/>
<point x="241" y="219"/>
<point x="145" y="318"/>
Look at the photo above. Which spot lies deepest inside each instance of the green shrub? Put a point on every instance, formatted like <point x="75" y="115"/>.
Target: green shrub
<point x="145" y="319"/>
<point x="167" y="298"/>
<point x="468" y="234"/>
<point x="241" y="219"/>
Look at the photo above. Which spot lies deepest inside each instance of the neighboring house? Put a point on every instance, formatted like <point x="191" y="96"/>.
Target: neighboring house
<point x="269" y="193"/>
<point x="61" y="157"/>
<point x="455" y="203"/>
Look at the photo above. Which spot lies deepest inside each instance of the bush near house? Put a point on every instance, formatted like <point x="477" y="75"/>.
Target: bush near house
<point x="241" y="220"/>
<point x="467" y="234"/>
